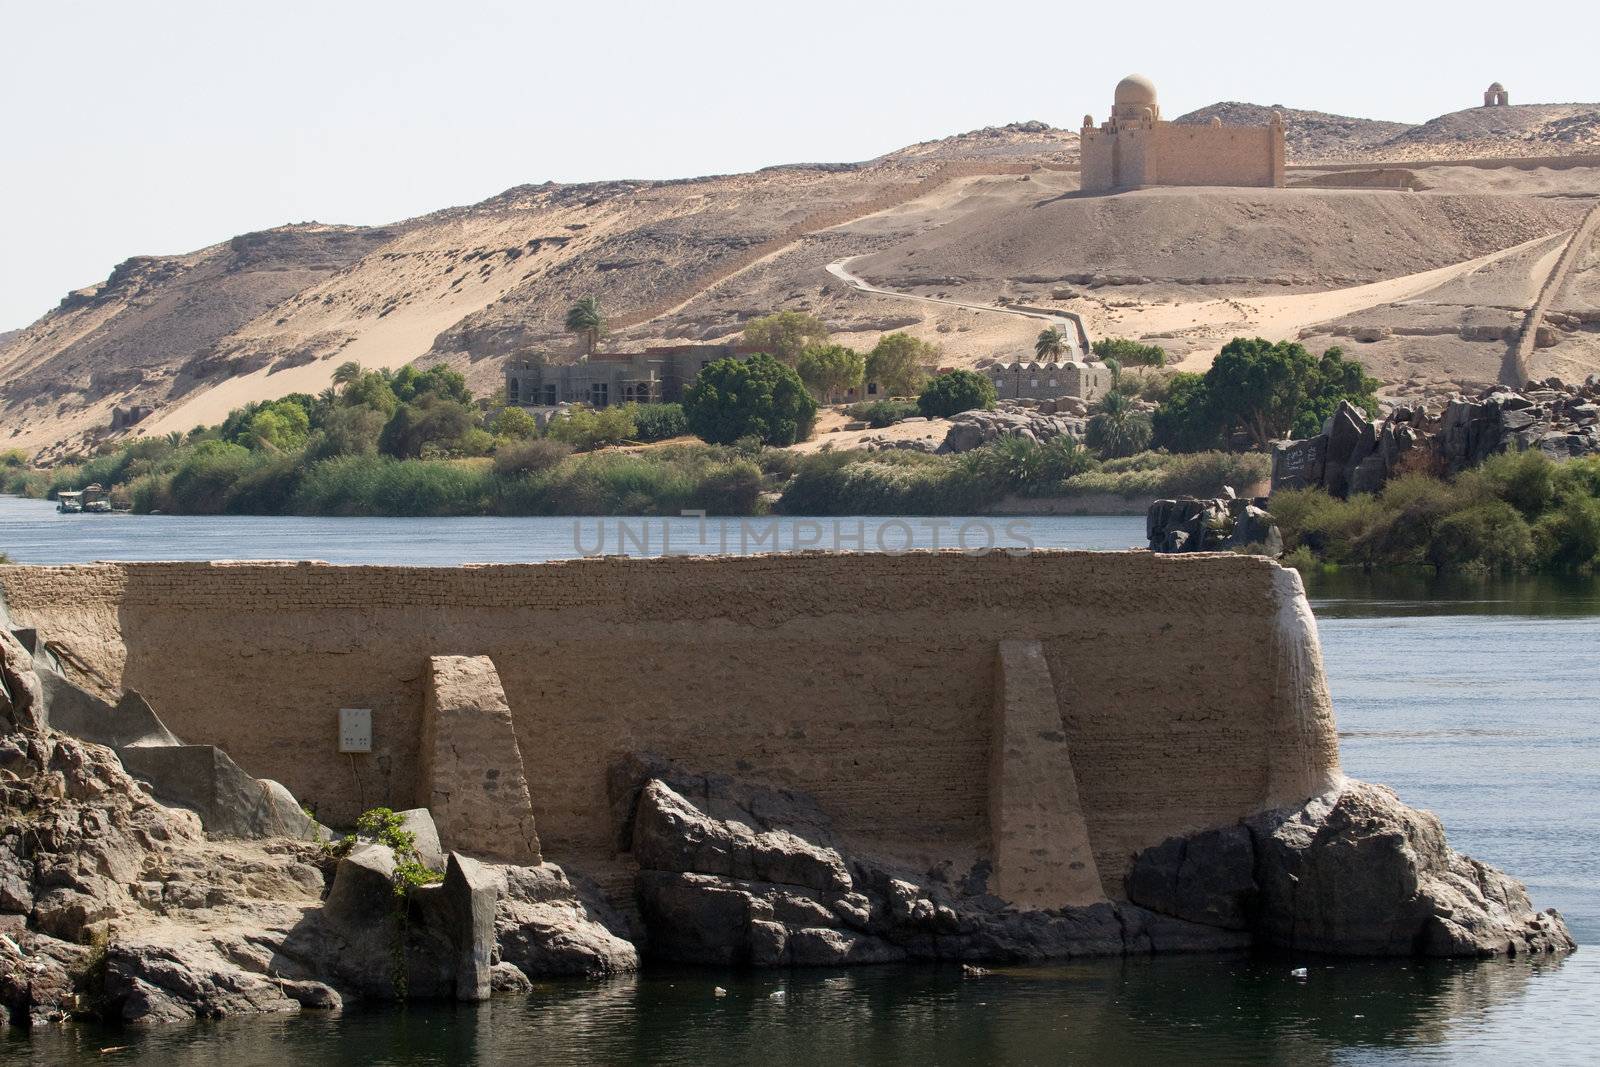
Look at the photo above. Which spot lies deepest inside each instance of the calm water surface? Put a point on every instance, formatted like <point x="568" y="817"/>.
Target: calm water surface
<point x="1480" y="701"/>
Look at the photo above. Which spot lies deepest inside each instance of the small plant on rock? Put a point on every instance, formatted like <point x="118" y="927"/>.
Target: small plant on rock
<point x="387" y="827"/>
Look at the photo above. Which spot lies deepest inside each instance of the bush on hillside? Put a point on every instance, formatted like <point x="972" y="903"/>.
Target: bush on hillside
<point x="954" y="392"/>
<point x="881" y="413"/>
<point x="657" y="422"/>
<point x="759" y="397"/>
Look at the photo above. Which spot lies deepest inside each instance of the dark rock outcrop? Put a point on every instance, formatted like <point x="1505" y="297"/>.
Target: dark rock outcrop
<point x="1223" y="524"/>
<point x="1354" y="872"/>
<point x="1356" y="455"/>
<point x="723" y="881"/>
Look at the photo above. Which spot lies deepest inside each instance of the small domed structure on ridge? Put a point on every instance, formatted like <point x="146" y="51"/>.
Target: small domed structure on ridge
<point x="1496" y="96"/>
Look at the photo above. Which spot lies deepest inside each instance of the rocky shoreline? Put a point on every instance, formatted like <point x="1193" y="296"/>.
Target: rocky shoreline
<point x="117" y="906"/>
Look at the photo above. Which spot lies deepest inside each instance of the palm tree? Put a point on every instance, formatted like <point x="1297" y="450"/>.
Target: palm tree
<point x="346" y="372"/>
<point x="1050" y="344"/>
<point x="585" y="318"/>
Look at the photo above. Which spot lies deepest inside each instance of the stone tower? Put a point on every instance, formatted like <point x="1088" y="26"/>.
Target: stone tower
<point x="1496" y="96"/>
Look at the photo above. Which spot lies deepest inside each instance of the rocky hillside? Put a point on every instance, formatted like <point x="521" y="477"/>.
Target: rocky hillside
<point x="1308" y="135"/>
<point x="137" y="337"/>
<point x="1035" y="141"/>
<point x="169" y="342"/>
<point x="1490" y="132"/>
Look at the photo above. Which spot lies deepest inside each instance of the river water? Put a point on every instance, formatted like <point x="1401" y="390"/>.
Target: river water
<point x="1477" y="700"/>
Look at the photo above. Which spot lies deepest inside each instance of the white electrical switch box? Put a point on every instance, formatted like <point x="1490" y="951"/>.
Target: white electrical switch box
<point x="355" y="729"/>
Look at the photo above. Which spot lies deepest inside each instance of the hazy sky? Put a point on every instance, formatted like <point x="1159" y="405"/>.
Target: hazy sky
<point x="136" y="127"/>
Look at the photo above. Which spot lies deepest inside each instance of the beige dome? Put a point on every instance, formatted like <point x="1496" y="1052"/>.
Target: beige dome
<point x="1135" y="90"/>
<point x="1497" y="88"/>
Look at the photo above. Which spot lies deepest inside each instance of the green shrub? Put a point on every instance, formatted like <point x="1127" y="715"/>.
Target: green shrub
<point x="881" y="413"/>
<point x="954" y="392"/>
<point x="529" y="457"/>
<point x="657" y="422"/>
<point x="381" y="485"/>
<point x="202" y="483"/>
<point x="1130" y="353"/>
<point x="1568" y="539"/>
<point x="586" y="429"/>
<point x="1116" y="430"/>
<point x="1490" y="537"/>
<point x="1159" y="474"/>
<point x="884" y="483"/>
<point x="757" y="397"/>
<point x="515" y="424"/>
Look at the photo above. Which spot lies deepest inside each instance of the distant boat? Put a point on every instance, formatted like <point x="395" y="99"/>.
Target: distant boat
<point x="91" y="499"/>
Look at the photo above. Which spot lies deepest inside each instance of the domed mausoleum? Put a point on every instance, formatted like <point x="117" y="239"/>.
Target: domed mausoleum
<point x="1135" y="148"/>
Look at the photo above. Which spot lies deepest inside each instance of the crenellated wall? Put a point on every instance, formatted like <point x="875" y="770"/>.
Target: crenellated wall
<point x="1190" y="689"/>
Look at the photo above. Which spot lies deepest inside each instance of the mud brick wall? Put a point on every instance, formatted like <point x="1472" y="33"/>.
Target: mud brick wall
<point x="1190" y="687"/>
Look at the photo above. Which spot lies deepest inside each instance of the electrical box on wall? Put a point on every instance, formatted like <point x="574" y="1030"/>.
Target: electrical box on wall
<point x="355" y="729"/>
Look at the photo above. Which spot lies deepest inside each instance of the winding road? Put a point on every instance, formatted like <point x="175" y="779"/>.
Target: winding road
<point x="1518" y="367"/>
<point x="1076" y="337"/>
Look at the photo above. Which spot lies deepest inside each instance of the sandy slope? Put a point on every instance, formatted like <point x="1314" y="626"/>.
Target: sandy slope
<point x="271" y="313"/>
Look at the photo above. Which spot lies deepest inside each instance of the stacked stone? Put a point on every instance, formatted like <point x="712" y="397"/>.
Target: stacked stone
<point x="1357" y="455"/>
<point x="1222" y="524"/>
<point x="973" y="429"/>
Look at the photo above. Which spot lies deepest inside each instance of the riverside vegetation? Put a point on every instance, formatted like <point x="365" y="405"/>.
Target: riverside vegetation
<point x="1517" y="513"/>
<point x="413" y="443"/>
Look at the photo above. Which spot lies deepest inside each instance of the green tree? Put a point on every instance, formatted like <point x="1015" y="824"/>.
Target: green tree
<point x="1264" y="389"/>
<point x="430" y="420"/>
<point x="1050" y="345"/>
<point x="1116" y="430"/>
<point x="897" y="363"/>
<point x="830" y="369"/>
<point x="279" y="427"/>
<point x="734" y="398"/>
<point x="347" y="431"/>
<point x="1336" y="379"/>
<point x="1130" y="353"/>
<point x="515" y="424"/>
<point x="954" y="392"/>
<point x="346" y="372"/>
<point x="585" y="319"/>
<point x="786" y="334"/>
<point x="372" y="390"/>
<point x="586" y="429"/>
<point x="1184" y="422"/>
<point x="409" y="383"/>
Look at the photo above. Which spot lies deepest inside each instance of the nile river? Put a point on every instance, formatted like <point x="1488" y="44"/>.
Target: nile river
<point x="1480" y="701"/>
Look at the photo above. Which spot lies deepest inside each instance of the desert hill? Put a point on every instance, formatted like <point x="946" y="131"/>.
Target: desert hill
<point x="987" y="216"/>
<point x="1034" y="141"/>
<point x="1308" y="136"/>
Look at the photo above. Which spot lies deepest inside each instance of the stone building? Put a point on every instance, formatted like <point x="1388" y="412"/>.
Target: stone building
<point x="1496" y="96"/>
<point x="1046" y="381"/>
<point x="1136" y="148"/>
<point x="654" y="376"/>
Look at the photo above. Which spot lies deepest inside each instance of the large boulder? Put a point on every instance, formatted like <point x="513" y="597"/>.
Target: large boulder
<point x="1208" y="878"/>
<point x="732" y="875"/>
<point x="1356" y="872"/>
<point x="671" y="834"/>
<point x="548" y="926"/>
<point x="1353" y="872"/>
<point x="158" y="983"/>
<point x="21" y="698"/>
